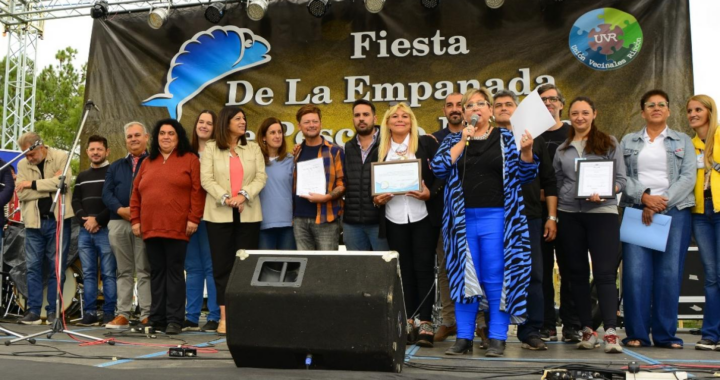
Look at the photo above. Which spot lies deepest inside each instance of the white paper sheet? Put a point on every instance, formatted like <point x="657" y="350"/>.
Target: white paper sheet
<point x="531" y="115"/>
<point x="311" y="177"/>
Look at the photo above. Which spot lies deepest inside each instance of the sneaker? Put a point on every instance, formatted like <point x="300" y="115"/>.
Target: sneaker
<point x="190" y="326"/>
<point x="107" y="318"/>
<point x="611" y="342"/>
<point x="548" y="335"/>
<point x="89" y="320"/>
<point x="706" y="345"/>
<point x="210" y="326"/>
<point x="119" y="323"/>
<point x="50" y="319"/>
<point x="496" y="348"/>
<point x="173" y="329"/>
<point x="426" y="335"/>
<point x="30" y="318"/>
<point x="571" y="334"/>
<point x="534" y="343"/>
<point x="589" y="340"/>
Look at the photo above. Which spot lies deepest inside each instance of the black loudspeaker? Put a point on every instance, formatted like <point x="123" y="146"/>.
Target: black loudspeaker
<point x="334" y="310"/>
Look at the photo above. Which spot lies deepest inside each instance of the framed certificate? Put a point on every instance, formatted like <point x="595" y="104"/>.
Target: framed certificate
<point x="395" y="177"/>
<point x="595" y="177"/>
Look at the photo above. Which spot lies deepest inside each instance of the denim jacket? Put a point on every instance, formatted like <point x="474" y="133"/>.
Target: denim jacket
<point x="681" y="166"/>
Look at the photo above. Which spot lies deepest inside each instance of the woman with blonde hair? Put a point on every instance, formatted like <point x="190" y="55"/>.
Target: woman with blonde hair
<point x="702" y="116"/>
<point x="485" y="233"/>
<point x="411" y="221"/>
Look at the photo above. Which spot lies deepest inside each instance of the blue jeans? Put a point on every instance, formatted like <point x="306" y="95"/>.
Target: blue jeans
<point x="707" y="234"/>
<point x="198" y="274"/>
<point x="277" y="238"/>
<point x="363" y="237"/>
<point x="39" y="249"/>
<point x="651" y="285"/>
<point x="94" y="247"/>
<point x="485" y="240"/>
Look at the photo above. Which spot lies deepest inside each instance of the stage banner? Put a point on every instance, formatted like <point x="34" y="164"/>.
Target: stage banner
<point x="611" y="51"/>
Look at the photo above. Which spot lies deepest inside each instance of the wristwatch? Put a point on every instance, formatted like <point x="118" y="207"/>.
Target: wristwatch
<point x="244" y="194"/>
<point x="553" y="218"/>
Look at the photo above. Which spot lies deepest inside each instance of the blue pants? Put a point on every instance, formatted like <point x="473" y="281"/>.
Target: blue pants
<point x="198" y="274"/>
<point x="485" y="239"/>
<point x="40" y="249"/>
<point x="707" y="234"/>
<point x="651" y="285"/>
<point x="93" y="248"/>
<point x="281" y="238"/>
<point x="363" y="237"/>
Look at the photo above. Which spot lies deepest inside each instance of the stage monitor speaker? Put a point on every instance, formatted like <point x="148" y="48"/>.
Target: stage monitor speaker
<point x="317" y="309"/>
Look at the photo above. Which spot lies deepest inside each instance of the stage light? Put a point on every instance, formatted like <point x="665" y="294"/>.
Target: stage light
<point x="318" y="8"/>
<point x="430" y="4"/>
<point x="99" y="10"/>
<point x="494" y="4"/>
<point x="157" y="17"/>
<point x="215" y="12"/>
<point x="374" y="6"/>
<point x="256" y="9"/>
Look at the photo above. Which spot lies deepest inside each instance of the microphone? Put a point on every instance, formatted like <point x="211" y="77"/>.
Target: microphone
<point x="35" y="145"/>
<point x="90" y="103"/>
<point x="473" y="120"/>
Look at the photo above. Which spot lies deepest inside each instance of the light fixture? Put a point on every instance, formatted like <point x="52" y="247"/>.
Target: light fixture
<point x="214" y="13"/>
<point x="99" y="10"/>
<point x="374" y="6"/>
<point x="494" y="4"/>
<point x="318" y="8"/>
<point x="256" y="9"/>
<point x="430" y="4"/>
<point x="158" y="16"/>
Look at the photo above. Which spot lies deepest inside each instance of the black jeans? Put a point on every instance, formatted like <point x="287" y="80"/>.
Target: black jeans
<point x="535" y="304"/>
<point x="167" y="280"/>
<point x="225" y="239"/>
<point x="600" y="234"/>
<point x="415" y="242"/>
<point x="568" y="314"/>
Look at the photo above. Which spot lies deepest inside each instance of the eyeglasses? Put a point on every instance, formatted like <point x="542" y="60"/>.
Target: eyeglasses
<point x="477" y="105"/>
<point x="661" y="105"/>
<point x="551" y="99"/>
<point x="506" y="105"/>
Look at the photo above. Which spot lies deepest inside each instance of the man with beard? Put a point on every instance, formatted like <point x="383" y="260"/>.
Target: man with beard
<point x="529" y="333"/>
<point x="556" y="135"/>
<point x="360" y="218"/>
<point x="315" y="216"/>
<point x="94" y="241"/>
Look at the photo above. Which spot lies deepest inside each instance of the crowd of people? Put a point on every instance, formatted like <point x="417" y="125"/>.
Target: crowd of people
<point x="494" y="216"/>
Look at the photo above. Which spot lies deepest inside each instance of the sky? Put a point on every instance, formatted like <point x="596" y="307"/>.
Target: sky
<point x="75" y="32"/>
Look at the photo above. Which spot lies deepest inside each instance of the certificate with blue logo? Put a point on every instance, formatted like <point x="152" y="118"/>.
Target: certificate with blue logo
<point x="395" y="177"/>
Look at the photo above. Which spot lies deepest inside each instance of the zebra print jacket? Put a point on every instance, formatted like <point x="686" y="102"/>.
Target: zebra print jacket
<point x="462" y="274"/>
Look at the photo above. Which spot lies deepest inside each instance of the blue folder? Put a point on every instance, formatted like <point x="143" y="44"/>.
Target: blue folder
<point x="654" y="236"/>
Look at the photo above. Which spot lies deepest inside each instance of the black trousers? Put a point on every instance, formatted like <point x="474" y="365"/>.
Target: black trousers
<point x="415" y="242"/>
<point x="568" y="314"/>
<point x="225" y="239"/>
<point x="167" y="280"/>
<point x="600" y="234"/>
<point x="535" y="304"/>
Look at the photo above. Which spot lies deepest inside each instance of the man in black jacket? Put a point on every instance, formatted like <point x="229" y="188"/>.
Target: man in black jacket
<point x="361" y="218"/>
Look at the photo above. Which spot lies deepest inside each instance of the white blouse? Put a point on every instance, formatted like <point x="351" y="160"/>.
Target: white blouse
<point x="402" y="209"/>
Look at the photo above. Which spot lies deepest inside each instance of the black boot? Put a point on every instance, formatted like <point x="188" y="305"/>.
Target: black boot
<point x="460" y="347"/>
<point x="496" y="348"/>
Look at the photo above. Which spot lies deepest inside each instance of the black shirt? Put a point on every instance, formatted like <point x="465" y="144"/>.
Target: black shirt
<point x="87" y="197"/>
<point x="553" y="139"/>
<point x="442" y="134"/>
<point x="44" y="203"/>
<point x="481" y="172"/>
<point x="303" y="207"/>
<point x="545" y="180"/>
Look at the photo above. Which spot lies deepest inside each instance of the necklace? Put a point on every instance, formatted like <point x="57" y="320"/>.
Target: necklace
<point x="484" y="136"/>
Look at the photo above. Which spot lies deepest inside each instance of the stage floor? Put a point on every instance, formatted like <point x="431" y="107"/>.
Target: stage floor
<point x="62" y="357"/>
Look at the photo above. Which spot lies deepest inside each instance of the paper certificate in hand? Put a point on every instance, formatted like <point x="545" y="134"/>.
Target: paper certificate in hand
<point x="311" y="177"/>
<point x="595" y="177"/>
<point x="395" y="177"/>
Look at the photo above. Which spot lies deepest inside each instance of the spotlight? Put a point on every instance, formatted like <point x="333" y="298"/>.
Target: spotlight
<point x="318" y="8"/>
<point x="256" y="9"/>
<point x="430" y="4"/>
<point x="99" y="10"/>
<point x="494" y="4"/>
<point x="374" y="6"/>
<point x="157" y="17"/>
<point x="215" y="12"/>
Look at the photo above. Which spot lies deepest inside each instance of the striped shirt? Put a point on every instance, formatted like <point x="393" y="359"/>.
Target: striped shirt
<point x="87" y="196"/>
<point x="333" y="157"/>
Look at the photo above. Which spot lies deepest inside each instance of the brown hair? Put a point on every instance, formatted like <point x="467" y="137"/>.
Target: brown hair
<point x="221" y="134"/>
<point x="195" y="138"/>
<point x="306" y="109"/>
<point x="598" y="142"/>
<point x="262" y="132"/>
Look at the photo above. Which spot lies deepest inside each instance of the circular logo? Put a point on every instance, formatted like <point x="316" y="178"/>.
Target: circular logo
<point x="606" y="39"/>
